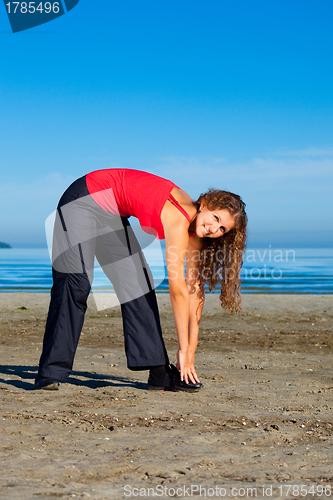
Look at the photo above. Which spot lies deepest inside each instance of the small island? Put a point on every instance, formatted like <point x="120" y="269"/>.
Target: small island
<point x="4" y="245"/>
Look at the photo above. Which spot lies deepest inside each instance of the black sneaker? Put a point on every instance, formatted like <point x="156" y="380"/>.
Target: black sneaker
<point x="170" y="381"/>
<point x="181" y="385"/>
<point x="47" y="383"/>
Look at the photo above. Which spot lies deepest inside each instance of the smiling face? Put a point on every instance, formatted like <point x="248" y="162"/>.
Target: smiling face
<point x="213" y="223"/>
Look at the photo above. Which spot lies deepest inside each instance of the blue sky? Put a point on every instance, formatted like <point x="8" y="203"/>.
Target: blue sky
<point x="231" y="94"/>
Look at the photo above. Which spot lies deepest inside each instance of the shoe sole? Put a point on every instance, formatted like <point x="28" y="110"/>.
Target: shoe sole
<point x="188" y="389"/>
<point x="172" y="389"/>
<point x="162" y="389"/>
<point x="49" y="387"/>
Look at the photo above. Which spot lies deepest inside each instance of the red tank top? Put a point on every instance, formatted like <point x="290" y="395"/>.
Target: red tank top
<point x="132" y="192"/>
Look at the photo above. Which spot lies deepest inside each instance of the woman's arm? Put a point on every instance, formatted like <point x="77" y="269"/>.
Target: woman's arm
<point x="176" y="241"/>
<point x="196" y="293"/>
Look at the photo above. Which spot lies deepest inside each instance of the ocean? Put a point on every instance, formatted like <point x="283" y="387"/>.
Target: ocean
<point x="266" y="270"/>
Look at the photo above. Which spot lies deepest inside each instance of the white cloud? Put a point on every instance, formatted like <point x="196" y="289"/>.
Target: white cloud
<point x="258" y="175"/>
<point x="214" y="170"/>
<point x="328" y="152"/>
<point x="283" y="192"/>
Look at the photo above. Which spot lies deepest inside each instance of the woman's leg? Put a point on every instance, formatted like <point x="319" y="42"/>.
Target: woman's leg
<point x="121" y="258"/>
<point x="64" y="324"/>
<point x="72" y="270"/>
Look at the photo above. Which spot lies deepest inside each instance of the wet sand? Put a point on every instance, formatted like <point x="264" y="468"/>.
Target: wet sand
<point x="263" y="417"/>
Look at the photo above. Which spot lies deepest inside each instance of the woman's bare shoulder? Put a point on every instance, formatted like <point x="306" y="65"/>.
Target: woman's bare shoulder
<point x="181" y="196"/>
<point x="171" y="214"/>
<point x="185" y="201"/>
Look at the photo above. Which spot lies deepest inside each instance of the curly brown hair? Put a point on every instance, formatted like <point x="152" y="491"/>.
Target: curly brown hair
<point x="221" y="259"/>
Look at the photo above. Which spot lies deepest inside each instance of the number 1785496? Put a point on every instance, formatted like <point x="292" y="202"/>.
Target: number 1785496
<point x="32" y="7"/>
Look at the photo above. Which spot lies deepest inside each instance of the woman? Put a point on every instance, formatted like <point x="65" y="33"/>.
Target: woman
<point x="205" y="241"/>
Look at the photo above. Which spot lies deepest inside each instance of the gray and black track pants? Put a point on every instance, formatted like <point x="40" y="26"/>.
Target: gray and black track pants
<point x="82" y="231"/>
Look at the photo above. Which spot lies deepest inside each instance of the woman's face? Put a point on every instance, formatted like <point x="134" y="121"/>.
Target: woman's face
<point x="213" y="224"/>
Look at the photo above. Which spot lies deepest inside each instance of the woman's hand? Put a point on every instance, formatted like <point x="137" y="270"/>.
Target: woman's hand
<point x="185" y="364"/>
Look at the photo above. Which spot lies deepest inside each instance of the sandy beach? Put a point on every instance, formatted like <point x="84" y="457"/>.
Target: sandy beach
<point x="262" y="420"/>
